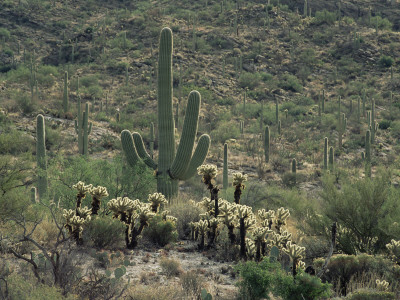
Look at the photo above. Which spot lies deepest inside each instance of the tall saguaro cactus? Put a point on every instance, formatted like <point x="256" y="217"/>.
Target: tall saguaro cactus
<point x="225" y="171"/>
<point x="373" y="125"/>
<point x="368" y="154"/>
<point x="326" y="153"/>
<point x="172" y="165"/>
<point x="342" y="128"/>
<point x="41" y="156"/>
<point x="83" y="128"/>
<point x="152" y="140"/>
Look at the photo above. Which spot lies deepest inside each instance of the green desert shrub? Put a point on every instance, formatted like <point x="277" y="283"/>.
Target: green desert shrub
<point x="370" y="295"/>
<point x="324" y="17"/>
<point x="161" y="232"/>
<point x="249" y="80"/>
<point x="385" y="61"/>
<point x="184" y="214"/>
<point x="170" y="267"/>
<point x="103" y="232"/>
<point x="290" y="83"/>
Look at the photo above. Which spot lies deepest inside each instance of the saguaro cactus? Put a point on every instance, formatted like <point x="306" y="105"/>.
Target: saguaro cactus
<point x="266" y="143"/>
<point x="41" y="156"/>
<point x="294" y="166"/>
<point x="373" y="125"/>
<point x="331" y="158"/>
<point x="341" y="128"/>
<point x="225" y="172"/>
<point x="83" y="128"/>
<point x="152" y="140"/>
<point x="326" y="153"/>
<point x="368" y="153"/>
<point x="172" y="165"/>
<point x="66" y="94"/>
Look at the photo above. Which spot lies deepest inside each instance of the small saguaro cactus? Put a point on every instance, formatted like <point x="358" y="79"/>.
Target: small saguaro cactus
<point x="368" y="154"/>
<point x="331" y="158"/>
<point x="358" y="109"/>
<point x="225" y="171"/>
<point x="323" y="101"/>
<point x="326" y="153"/>
<point x="279" y="127"/>
<point x="241" y="127"/>
<point x="364" y="99"/>
<point x="342" y="128"/>
<point x="172" y="165"/>
<point x="373" y="124"/>
<point x="83" y="128"/>
<point x="152" y="140"/>
<point x="276" y="111"/>
<point x="33" y="195"/>
<point x="266" y="144"/>
<point x="66" y="93"/>
<point x="41" y="156"/>
<point x="244" y="102"/>
<point x="294" y="166"/>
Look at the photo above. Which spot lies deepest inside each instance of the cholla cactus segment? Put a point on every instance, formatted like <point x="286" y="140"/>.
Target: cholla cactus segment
<point x="281" y="215"/>
<point x="82" y="188"/>
<point x="144" y="214"/>
<point x="202" y="226"/>
<point x="275" y="239"/>
<point x="249" y="222"/>
<point x="244" y="211"/>
<point x="259" y="234"/>
<point x="99" y="192"/>
<point x="239" y="179"/>
<point x="227" y="213"/>
<point x="294" y="251"/>
<point x="121" y="205"/>
<point x="285" y="237"/>
<point x="208" y="171"/>
<point x="301" y="265"/>
<point x="213" y="222"/>
<point x="68" y="214"/>
<point x="382" y="285"/>
<point x="84" y="212"/>
<point x="207" y="204"/>
<point x="266" y="215"/>
<point x="394" y="249"/>
<point x="171" y="219"/>
<point x="77" y="221"/>
<point x="157" y="199"/>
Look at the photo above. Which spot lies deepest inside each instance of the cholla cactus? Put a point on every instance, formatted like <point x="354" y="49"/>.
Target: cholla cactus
<point x="84" y="212"/>
<point x="285" y="237"/>
<point x="121" y="207"/>
<point x="156" y="200"/>
<point x="250" y="248"/>
<point x="97" y="193"/>
<point x="266" y="217"/>
<point x="75" y="221"/>
<point x="301" y="265"/>
<point x="280" y="218"/>
<point x="296" y="253"/>
<point x="193" y="230"/>
<point x="394" y="249"/>
<point x="209" y="172"/>
<point x="202" y="227"/>
<point x="382" y="285"/>
<point x="238" y="179"/>
<point x="171" y="219"/>
<point x="246" y="221"/>
<point x="275" y="239"/>
<point x="259" y="234"/>
<point x="82" y="190"/>
<point x="213" y="224"/>
<point x="207" y="204"/>
<point x="229" y="218"/>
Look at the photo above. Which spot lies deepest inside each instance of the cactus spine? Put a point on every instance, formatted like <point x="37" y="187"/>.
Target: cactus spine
<point x="266" y="144"/>
<point x="41" y="156"/>
<point x="172" y="165"/>
<point x="326" y="153"/>
<point x="368" y="154"/>
<point x="65" y="95"/>
<point x="225" y="171"/>
<point x="83" y="128"/>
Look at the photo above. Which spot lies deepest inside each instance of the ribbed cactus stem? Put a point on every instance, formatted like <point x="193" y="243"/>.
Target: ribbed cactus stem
<point x="41" y="156"/>
<point x="342" y="128"/>
<point x="83" y="128"/>
<point x="373" y="127"/>
<point x="326" y="153"/>
<point x="244" y="102"/>
<point x="358" y="109"/>
<point x="225" y="170"/>
<point x="276" y="111"/>
<point x="294" y="166"/>
<point x="87" y="128"/>
<point x="279" y="127"/>
<point x="363" y="102"/>
<point x="65" y="94"/>
<point x="368" y="153"/>
<point x="266" y="144"/>
<point x="126" y="76"/>
<point x="323" y="101"/>
<point x="170" y="167"/>
<point x="152" y="140"/>
<point x="33" y="195"/>
<point x="331" y="158"/>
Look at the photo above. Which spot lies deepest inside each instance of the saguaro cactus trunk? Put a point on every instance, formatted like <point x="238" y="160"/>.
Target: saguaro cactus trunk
<point x="172" y="165"/>
<point x="41" y="156"/>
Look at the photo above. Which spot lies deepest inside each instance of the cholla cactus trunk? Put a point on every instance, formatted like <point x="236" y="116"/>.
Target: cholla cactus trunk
<point x="41" y="156"/>
<point x="266" y="144"/>
<point x="231" y="234"/>
<point x="326" y="153"/>
<point x="225" y="171"/>
<point x="65" y="94"/>
<point x="237" y="194"/>
<point x="134" y="234"/>
<point x="242" y="230"/>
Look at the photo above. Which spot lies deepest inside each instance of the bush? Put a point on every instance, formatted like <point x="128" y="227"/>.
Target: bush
<point x="384" y="124"/>
<point x="385" y="61"/>
<point x="258" y="280"/>
<point x="104" y="232"/>
<point x="370" y="295"/>
<point x="290" y="83"/>
<point x="170" y="267"/>
<point x="161" y="232"/>
<point x="324" y="17"/>
<point x="249" y="80"/>
<point x="4" y="34"/>
<point x="184" y="214"/>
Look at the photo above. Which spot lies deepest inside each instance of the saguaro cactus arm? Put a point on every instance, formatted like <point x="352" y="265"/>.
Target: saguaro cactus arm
<point x="141" y="151"/>
<point x="198" y="157"/>
<point x="129" y="148"/>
